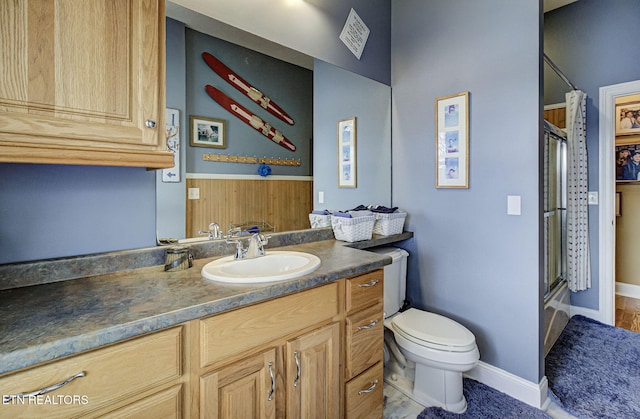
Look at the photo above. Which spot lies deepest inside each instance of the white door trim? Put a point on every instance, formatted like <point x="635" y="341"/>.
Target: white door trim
<point x="607" y="248"/>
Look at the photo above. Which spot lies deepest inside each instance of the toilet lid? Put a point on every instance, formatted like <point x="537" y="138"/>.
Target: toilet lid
<point x="434" y="330"/>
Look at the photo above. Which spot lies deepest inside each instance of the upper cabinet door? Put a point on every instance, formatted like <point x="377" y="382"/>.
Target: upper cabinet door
<point x="83" y="82"/>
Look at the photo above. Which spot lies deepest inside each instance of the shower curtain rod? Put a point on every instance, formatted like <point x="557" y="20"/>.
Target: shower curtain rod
<point x="555" y="68"/>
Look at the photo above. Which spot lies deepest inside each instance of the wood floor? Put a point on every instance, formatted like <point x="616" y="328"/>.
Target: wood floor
<point x="628" y="313"/>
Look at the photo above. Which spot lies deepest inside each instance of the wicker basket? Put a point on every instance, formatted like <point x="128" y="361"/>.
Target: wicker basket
<point x="353" y="229"/>
<point x="389" y="224"/>
<point x="319" y="220"/>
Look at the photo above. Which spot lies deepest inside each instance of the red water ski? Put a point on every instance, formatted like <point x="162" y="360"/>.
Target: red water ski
<point x="246" y="88"/>
<point x="249" y="118"/>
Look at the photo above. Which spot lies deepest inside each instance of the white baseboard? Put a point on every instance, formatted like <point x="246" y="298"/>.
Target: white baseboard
<point x="587" y="312"/>
<point x="628" y="290"/>
<point x="530" y="393"/>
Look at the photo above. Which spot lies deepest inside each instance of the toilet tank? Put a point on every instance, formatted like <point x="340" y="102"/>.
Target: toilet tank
<point x="395" y="278"/>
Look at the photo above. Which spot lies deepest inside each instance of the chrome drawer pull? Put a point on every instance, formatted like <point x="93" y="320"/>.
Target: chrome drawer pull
<point x="369" y="284"/>
<point x="45" y="389"/>
<point x="297" y="379"/>
<point x="369" y="326"/>
<point x="273" y="382"/>
<point x="370" y="389"/>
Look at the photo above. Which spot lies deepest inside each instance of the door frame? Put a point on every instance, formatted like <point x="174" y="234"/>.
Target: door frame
<point x="607" y="221"/>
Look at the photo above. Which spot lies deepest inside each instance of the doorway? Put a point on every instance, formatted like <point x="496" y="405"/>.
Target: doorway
<point x="607" y="181"/>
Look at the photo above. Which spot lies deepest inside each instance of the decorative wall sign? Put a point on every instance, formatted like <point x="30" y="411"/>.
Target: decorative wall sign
<point x="355" y="34"/>
<point x="347" y="158"/>
<point x="207" y="132"/>
<point x="452" y="141"/>
<point x="172" y="137"/>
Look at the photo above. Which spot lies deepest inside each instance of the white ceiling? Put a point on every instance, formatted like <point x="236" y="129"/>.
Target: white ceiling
<point x="554" y="4"/>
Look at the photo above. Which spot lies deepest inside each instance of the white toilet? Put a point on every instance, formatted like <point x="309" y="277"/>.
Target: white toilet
<point x="425" y="353"/>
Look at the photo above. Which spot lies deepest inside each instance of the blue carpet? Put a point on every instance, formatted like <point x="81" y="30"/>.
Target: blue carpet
<point x="484" y="402"/>
<point x="594" y="370"/>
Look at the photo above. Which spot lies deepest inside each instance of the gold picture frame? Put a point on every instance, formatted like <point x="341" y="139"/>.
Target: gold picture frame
<point x="452" y="141"/>
<point x="207" y="132"/>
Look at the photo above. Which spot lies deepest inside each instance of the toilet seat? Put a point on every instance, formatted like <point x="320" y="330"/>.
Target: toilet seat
<point x="433" y="331"/>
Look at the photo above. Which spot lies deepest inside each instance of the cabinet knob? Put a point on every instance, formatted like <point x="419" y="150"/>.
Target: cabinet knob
<point x="150" y="123"/>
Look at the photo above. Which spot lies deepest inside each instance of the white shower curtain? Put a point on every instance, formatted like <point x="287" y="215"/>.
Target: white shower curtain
<point x="578" y="258"/>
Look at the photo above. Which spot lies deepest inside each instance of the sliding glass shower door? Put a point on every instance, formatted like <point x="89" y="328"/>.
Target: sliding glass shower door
<point x="555" y="209"/>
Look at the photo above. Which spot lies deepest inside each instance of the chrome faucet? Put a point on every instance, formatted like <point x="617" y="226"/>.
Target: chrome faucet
<point x="254" y="247"/>
<point x="214" y="232"/>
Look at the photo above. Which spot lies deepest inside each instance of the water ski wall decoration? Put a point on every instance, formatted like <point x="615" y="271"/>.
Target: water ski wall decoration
<point x="249" y="118"/>
<point x="245" y="87"/>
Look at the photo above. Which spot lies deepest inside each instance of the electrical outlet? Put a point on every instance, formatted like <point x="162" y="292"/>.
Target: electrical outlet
<point x="194" y="193"/>
<point x="593" y="198"/>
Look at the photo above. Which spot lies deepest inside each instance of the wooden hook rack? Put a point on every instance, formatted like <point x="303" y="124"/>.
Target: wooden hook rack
<point x="225" y="158"/>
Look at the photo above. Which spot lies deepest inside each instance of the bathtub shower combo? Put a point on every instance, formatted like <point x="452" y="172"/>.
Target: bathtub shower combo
<point x="556" y="299"/>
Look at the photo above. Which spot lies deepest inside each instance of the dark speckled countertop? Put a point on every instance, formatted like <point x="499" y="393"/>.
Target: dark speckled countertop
<point x="43" y="322"/>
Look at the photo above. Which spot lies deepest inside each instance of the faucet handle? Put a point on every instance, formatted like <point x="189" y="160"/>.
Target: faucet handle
<point x="240" y="250"/>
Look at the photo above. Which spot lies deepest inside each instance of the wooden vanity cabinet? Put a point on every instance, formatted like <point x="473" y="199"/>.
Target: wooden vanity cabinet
<point x="312" y="354"/>
<point x="142" y="377"/>
<point x="364" y="343"/>
<point x="280" y="358"/>
<point x="83" y="82"/>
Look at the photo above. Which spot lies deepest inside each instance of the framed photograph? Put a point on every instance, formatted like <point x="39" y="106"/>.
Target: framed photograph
<point x="627" y="163"/>
<point x="347" y="161"/>
<point x="628" y="118"/>
<point x="208" y="132"/>
<point x="452" y="141"/>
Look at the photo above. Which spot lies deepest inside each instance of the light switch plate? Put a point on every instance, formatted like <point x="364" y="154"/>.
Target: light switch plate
<point x="593" y="198"/>
<point x="513" y="205"/>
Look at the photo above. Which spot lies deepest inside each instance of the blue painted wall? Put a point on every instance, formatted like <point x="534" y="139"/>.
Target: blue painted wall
<point x="49" y="211"/>
<point x="171" y="206"/>
<point x="592" y="42"/>
<point x="345" y="95"/>
<point x="470" y="260"/>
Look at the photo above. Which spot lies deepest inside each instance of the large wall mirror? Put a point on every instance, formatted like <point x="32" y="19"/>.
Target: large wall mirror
<point x="210" y="184"/>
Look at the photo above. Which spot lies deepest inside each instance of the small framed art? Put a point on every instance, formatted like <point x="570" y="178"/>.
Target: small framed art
<point x="452" y="141"/>
<point x="628" y="118"/>
<point x="207" y="132"/>
<point x="347" y="168"/>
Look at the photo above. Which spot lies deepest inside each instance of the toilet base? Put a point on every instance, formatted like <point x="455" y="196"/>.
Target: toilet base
<point x="439" y="388"/>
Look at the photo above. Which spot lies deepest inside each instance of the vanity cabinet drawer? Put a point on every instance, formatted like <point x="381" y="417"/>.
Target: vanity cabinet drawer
<point x="364" y="340"/>
<point x="364" y="394"/>
<point x="112" y="375"/>
<point x="230" y="334"/>
<point x="364" y="291"/>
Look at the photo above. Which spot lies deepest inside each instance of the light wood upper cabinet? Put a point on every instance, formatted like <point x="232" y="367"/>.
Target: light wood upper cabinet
<point x="81" y="82"/>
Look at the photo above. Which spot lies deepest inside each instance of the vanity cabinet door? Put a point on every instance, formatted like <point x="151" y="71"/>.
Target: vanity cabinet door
<point x="313" y="378"/>
<point x="245" y="389"/>
<point x="83" y="82"/>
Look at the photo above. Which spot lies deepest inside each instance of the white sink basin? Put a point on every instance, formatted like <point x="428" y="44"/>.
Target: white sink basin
<point x="273" y="266"/>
